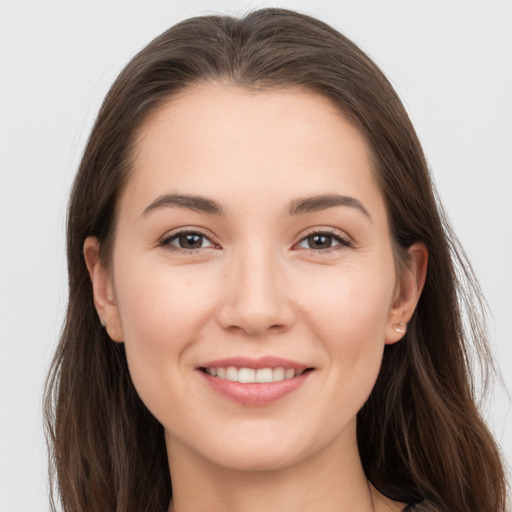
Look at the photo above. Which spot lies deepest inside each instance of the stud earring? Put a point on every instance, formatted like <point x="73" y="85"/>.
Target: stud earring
<point x="102" y="322"/>
<point x="399" y="327"/>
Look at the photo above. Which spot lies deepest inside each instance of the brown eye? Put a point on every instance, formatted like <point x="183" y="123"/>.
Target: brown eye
<point x="188" y="241"/>
<point x="322" y="241"/>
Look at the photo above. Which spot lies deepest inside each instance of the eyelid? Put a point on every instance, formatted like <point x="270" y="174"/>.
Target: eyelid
<point x="341" y="237"/>
<point x="165" y="240"/>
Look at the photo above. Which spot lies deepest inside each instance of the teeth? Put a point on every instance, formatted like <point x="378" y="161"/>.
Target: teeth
<point x="264" y="375"/>
<point x="246" y="375"/>
<point x="278" y="374"/>
<point x="288" y="374"/>
<point x="231" y="373"/>
<point x="249" y="375"/>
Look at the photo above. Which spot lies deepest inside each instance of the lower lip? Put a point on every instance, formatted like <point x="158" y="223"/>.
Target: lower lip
<point x="255" y="393"/>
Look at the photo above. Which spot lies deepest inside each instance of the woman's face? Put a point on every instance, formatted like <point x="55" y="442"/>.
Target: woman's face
<point x="252" y="234"/>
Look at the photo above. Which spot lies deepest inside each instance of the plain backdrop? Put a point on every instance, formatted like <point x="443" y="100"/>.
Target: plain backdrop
<point x="450" y="61"/>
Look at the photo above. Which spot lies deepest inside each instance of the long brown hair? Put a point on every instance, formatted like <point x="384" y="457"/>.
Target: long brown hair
<point x="420" y="435"/>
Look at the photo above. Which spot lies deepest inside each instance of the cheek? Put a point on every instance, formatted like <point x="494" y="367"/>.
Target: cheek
<point x="352" y="303"/>
<point x="162" y="311"/>
<point x="349" y="320"/>
<point x="354" y="332"/>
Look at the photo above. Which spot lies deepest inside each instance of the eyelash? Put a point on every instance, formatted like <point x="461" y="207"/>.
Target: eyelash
<point x="166" y="241"/>
<point x="342" y="241"/>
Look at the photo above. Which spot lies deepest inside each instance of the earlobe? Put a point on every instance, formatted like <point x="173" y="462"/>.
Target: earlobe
<point x="103" y="290"/>
<point x="408" y="292"/>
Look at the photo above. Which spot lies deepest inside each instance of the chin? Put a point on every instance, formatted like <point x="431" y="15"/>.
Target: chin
<point x="257" y="459"/>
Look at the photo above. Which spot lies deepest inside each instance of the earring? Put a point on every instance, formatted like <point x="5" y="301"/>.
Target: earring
<point x="102" y="322"/>
<point x="399" y="327"/>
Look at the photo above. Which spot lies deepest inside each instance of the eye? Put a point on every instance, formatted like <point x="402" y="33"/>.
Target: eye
<point x="323" y="241"/>
<point x="187" y="241"/>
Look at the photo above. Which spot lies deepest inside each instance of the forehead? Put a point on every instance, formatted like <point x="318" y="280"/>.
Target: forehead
<point x="231" y="142"/>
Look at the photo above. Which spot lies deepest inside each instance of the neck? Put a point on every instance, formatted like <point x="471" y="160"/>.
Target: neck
<point x="332" y="480"/>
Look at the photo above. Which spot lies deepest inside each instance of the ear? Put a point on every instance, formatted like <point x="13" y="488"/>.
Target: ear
<point x="407" y="293"/>
<point x="103" y="290"/>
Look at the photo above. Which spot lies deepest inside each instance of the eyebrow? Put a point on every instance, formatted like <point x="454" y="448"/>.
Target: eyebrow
<point x="296" y="207"/>
<point x="323" y="202"/>
<point x="197" y="203"/>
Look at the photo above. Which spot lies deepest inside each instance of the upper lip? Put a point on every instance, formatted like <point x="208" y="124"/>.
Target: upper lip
<point x="249" y="362"/>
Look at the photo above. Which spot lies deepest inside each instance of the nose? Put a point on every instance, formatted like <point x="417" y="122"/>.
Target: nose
<point x="257" y="300"/>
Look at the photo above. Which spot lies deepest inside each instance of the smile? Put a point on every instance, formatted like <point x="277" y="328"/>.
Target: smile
<point x="254" y="382"/>
<point x="250" y="375"/>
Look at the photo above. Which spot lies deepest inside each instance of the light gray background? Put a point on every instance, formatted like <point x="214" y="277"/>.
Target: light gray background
<point x="451" y="62"/>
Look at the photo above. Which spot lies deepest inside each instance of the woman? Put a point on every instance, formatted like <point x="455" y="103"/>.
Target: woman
<point x="264" y="306"/>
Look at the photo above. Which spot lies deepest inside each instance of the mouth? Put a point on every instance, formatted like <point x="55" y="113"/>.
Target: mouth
<point x="255" y="382"/>
<point x="253" y="375"/>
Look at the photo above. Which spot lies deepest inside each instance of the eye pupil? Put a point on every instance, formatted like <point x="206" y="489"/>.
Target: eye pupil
<point x="190" y="241"/>
<point x="320" y="241"/>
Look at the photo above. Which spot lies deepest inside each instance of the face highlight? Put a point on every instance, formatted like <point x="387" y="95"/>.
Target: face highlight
<point x="252" y="249"/>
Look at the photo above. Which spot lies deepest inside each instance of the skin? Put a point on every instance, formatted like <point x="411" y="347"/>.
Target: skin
<point x="256" y="286"/>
